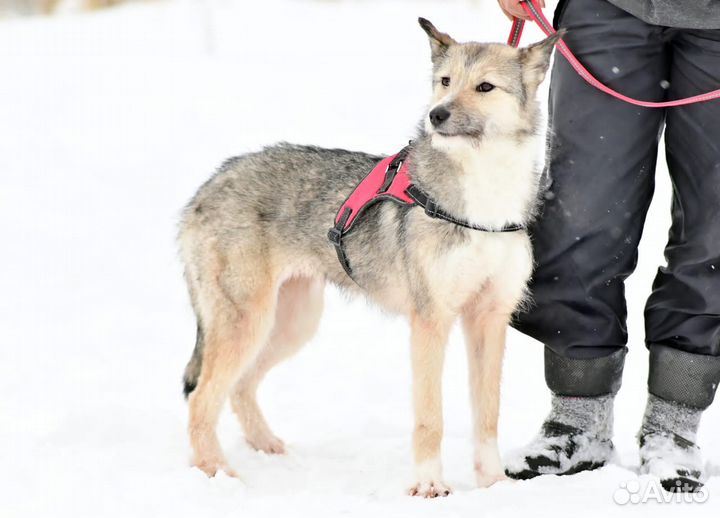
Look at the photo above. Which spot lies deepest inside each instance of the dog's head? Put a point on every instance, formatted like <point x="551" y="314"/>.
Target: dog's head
<point x="484" y="89"/>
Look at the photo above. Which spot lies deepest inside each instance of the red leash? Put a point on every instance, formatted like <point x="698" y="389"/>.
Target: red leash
<point x="538" y="17"/>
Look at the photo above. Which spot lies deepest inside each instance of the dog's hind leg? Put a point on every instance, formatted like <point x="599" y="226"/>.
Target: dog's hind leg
<point x="428" y="341"/>
<point x="299" y="307"/>
<point x="485" y="331"/>
<point x="238" y="305"/>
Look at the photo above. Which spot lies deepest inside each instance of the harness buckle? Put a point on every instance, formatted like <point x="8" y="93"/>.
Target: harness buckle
<point x="431" y="208"/>
<point x="335" y="236"/>
<point x="391" y="171"/>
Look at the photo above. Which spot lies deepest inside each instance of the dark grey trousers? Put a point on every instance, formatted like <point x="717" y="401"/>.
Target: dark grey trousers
<point x="601" y="179"/>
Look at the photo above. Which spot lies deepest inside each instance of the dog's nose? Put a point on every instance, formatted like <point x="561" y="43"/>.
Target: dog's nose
<point x="439" y="115"/>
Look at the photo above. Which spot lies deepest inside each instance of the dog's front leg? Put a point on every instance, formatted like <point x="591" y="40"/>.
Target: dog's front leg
<point x="485" y="340"/>
<point x="428" y="340"/>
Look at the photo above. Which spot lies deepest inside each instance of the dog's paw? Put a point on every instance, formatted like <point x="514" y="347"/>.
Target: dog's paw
<point x="267" y="443"/>
<point x="430" y="489"/>
<point x="488" y="479"/>
<point x="211" y="468"/>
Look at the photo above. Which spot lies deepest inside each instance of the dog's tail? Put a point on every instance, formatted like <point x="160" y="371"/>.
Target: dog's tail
<point x="194" y="366"/>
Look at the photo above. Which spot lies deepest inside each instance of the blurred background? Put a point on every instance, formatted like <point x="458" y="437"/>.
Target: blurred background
<point x="112" y="113"/>
<point x="48" y="7"/>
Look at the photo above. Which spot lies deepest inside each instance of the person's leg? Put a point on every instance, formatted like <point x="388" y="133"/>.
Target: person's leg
<point x="601" y="167"/>
<point x="682" y="315"/>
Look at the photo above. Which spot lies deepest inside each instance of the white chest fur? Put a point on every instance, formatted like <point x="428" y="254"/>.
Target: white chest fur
<point x="499" y="180"/>
<point x="503" y="259"/>
<point x="499" y="186"/>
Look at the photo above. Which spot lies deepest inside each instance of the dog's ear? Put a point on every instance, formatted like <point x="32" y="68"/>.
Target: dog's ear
<point x="439" y="41"/>
<point x="536" y="58"/>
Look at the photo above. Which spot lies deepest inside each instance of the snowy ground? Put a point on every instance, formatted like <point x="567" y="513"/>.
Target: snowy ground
<point x="108" y="123"/>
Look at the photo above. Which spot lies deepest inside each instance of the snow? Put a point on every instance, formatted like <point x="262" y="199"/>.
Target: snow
<point x="108" y="123"/>
<point x="667" y="458"/>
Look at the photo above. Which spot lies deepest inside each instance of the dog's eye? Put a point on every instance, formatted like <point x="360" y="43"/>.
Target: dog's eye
<point x="484" y="87"/>
<point x="445" y="81"/>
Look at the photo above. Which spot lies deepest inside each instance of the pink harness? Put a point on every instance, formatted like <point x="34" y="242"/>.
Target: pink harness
<point x="389" y="180"/>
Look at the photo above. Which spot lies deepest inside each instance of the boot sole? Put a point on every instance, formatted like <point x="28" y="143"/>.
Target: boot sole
<point x="578" y="468"/>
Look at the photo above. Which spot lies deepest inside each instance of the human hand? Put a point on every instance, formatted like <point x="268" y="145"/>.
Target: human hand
<point x="512" y="8"/>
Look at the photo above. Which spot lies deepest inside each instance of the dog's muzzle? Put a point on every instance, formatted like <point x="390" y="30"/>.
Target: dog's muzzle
<point x="439" y="115"/>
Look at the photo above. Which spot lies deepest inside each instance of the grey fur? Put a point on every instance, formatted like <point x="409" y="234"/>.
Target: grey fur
<point x="192" y="371"/>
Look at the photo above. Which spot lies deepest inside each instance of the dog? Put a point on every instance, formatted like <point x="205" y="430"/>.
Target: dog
<point x="256" y="256"/>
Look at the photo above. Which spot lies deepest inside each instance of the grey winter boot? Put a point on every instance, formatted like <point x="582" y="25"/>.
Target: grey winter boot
<point x="668" y="446"/>
<point x="575" y="437"/>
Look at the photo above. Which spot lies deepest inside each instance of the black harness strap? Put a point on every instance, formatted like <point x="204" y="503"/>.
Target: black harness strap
<point x="393" y="169"/>
<point x="434" y="211"/>
<point x="335" y="235"/>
